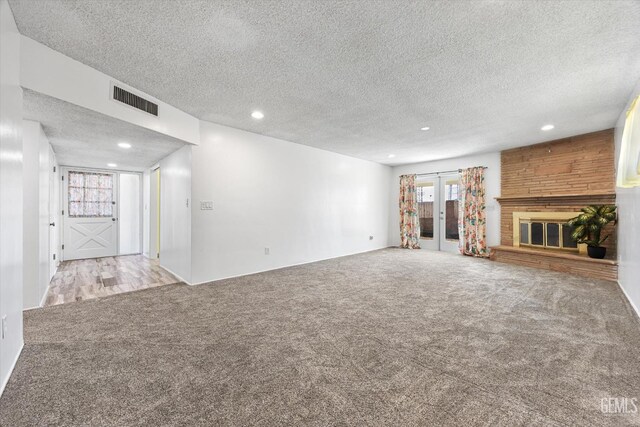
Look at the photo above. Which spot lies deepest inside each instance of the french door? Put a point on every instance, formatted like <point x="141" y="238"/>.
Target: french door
<point x="438" y="212"/>
<point x="89" y="214"/>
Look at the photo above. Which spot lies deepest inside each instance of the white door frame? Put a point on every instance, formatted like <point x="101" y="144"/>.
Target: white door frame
<point x="140" y="209"/>
<point x="154" y="213"/>
<point x="432" y="244"/>
<point x="439" y="241"/>
<point x="54" y="215"/>
<point x="64" y="206"/>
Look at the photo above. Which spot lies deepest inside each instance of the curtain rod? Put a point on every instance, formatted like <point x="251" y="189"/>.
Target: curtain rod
<point x="446" y="172"/>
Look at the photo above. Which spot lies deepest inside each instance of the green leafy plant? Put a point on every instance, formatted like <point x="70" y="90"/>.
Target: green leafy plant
<point x="587" y="227"/>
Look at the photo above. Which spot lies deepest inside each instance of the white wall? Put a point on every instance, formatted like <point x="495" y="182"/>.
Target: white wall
<point x="52" y="73"/>
<point x="492" y="182"/>
<point x="35" y="178"/>
<point x="30" y="177"/>
<point x="10" y="194"/>
<point x="628" y="202"/>
<point x="175" y="213"/>
<point x="302" y="203"/>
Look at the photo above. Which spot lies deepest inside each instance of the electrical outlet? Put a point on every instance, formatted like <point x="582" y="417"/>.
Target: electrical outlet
<point x="370" y="237"/>
<point x="206" y="205"/>
<point x="266" y="251"/>
<point x="4" y="326"/>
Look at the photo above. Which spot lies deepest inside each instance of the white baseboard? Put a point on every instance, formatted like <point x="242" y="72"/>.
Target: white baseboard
<point x="287" y="266"/>
<point x="626" y="295"/>
<point x="44" y="297"/>
<point x="176" y="275"/>
<point x="42" y="300"/>
<point x="13" y="365"/>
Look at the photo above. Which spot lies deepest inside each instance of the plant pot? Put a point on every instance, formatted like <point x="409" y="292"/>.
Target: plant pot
<point x="596" y="251"/>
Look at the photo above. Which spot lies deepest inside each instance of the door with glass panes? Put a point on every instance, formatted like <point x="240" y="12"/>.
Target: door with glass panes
<point x="438" y="212"/>
<point x="89" y="214"/>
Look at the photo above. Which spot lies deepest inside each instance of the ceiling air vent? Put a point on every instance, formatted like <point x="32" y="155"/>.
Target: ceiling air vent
<point x="134" y="101"/>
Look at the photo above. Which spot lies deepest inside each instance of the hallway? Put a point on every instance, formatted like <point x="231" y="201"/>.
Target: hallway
<point x="98" y="277"/>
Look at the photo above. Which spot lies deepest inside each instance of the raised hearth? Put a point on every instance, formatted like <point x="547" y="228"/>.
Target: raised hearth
<point x="548" y="259"/>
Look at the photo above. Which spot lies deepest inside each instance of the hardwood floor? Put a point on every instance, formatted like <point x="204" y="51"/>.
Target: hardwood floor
<point x="97" y="277"/>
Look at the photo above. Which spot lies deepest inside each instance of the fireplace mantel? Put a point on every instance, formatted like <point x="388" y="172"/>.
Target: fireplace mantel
<point x="584" y="199"/>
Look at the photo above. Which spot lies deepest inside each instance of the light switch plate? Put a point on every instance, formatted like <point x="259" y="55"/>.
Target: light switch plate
<point x="206" y="205"/>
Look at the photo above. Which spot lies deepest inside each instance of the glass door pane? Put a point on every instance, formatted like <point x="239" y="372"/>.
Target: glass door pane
<point x="449" y="185"/>
<point x="425" y="209"/>
<point x="451" y="210"/>
<point x="427" y="196"/>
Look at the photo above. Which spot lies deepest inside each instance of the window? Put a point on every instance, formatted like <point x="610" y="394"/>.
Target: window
<point x="451" y="209"/>
<point x="424" y="195"/>
<point x="90" y="195"/>
<point x="451" y="190"/>
<point x="629" y="161"/>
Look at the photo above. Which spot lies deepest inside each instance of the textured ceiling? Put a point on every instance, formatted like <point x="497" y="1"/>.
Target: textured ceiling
<point x="82" y="137"/>
<point x="362" y="77"/>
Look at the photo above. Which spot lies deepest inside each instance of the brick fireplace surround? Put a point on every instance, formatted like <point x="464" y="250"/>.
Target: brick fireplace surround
<point x="558" y="176"/>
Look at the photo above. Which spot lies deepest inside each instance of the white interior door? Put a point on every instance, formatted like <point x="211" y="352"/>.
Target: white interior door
<point x="438" y="212"/>
<point x="89" y="214"/>
<point x="54" y="211"/>
<point x="130" y="213"/>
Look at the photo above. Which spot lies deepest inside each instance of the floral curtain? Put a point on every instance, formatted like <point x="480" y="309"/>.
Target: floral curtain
<point x="409" y="224"/>
<point x="471" y="213"/>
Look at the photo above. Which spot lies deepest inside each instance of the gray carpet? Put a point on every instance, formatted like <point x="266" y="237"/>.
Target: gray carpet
<point x="392" y="337"/>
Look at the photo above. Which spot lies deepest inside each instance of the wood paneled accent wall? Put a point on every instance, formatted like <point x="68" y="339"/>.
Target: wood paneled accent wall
<point x="580" y="165"/>
<point x="562" y="176"/>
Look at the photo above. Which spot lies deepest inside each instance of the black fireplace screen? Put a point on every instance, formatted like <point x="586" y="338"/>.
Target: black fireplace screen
<point x="547" y="234"/>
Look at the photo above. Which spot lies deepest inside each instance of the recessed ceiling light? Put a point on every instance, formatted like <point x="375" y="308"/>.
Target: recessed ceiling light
<point x="257" y="115"/>
<point x="425" y="128"/>
<point x="547" y="127"/>
<point x="124" y="145"/>
<point x="112" y="165"/>
<point x="391" y="156"/>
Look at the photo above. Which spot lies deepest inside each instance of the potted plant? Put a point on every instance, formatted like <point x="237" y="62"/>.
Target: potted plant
<point x="587" y="227"/>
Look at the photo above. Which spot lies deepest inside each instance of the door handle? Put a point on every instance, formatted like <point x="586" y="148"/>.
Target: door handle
<point x="113" y="219"/>
<point x="52" y="224"/>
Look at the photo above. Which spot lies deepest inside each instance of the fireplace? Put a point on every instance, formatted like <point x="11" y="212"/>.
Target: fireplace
<point x="545" y="230"/>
